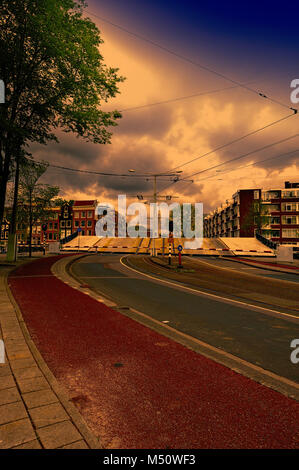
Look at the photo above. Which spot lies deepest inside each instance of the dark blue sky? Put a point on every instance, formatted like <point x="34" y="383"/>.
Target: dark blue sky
<point x="243" y="35"/>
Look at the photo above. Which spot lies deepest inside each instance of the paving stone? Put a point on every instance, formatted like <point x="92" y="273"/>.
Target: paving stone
<point x="4" y="370"/>
<point x="76" y="445"/>
<point x="27" y="373"/>
<point x="29" y="445"/>
<point x="33" y="385"/>
<point x="47" y="415"/>
<point x="12" y="412"/>
<point x="16" y="433"/>
<point x="7" y="382"/>
<point x="21" y="354"/>
<point x="58" y="435"/>
<point x="22" y="363"/>
<point x="39" y="398"/>
<point x="9" y="395"/>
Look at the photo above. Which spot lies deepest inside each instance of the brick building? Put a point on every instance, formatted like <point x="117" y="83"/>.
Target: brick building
<point x="62" y="222"/>
<point x="273" y="213"/>
<point x="84" y="217"/>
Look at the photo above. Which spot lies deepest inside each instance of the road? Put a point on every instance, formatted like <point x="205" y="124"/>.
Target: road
<point x="239" y="267"/>
<point x="138" y="388"/>
<point x="259" y="337"/>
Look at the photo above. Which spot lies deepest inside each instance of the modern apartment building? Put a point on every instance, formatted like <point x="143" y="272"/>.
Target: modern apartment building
<point x="274" y="213"/>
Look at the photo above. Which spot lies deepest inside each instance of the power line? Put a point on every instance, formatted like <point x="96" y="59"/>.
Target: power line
<point x="172" y="100"/>
<point x="238" y="158"/>
<point x="101" y="173"/>
<point x="197" y="64"/>
<point x="244" y="155"/>
<point x="233" y="141"/>
<point x="250" y="164"/>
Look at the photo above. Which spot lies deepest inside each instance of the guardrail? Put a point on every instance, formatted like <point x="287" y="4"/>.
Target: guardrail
<point x="266" y="241"/>
<point x="68" y="238"/>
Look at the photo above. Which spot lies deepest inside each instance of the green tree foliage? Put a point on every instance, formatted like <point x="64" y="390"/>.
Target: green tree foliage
<point x="54" y="76"/>
<point x="35" y="199"/>
<point x="256" y="217"/>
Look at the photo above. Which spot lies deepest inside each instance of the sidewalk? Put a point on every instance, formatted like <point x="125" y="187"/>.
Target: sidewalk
<point x="35" y="411"/>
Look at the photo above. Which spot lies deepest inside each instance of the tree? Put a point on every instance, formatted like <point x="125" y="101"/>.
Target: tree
<point x="60" y="202"/>
<point x="54" y="78"/>
<point x="255" y="218"/>
<point x="35" y="199"/>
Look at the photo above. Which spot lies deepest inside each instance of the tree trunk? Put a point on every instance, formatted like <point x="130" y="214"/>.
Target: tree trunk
<point x="3" y="185"/>
<point x="30" y="225"/>
<point x="12" y="239"/>
<point x="13" y="223"/>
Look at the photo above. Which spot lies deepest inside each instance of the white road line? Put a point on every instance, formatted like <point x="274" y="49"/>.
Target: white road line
<point x="214" y="296"/>
<point x="221" y="352"/>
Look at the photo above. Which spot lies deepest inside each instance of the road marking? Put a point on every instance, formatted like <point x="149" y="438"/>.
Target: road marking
<point x="213" y="349"/>
<point x="246" y="267"/>
<point x="263" y="309"/>
<point x="103" y="277"/>
<point x="31" y="275"/>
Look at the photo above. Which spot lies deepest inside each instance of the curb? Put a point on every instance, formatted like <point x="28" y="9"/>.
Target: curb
<point x="265" y="267"/>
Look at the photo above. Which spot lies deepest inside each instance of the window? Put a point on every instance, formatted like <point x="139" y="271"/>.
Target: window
<point x="55" y="236"/>
<point x="82" y="223"/>
<point x="290" y="219"/>
<point x="89" y="223"/>
<point x="89" y="232"/>
<point x="55" y="226"/>
<point x="68" y="223"/>
<point x="76" y="223"/>
<point x="62" y="224"/>
<point x="256" y="194"/>
<point x="89" y="214"/>
<point x="50" y="225"/>
<point x="50" y="236"/>
<point x="83" y="214"/>
<point x="76" y="214"/>
<point x="290" y="233"/>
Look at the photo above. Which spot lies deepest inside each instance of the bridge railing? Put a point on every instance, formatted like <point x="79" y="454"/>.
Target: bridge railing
<point x="266" y="241"/>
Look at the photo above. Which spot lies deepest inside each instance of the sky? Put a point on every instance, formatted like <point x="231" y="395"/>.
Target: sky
<point x="249" y="42"/>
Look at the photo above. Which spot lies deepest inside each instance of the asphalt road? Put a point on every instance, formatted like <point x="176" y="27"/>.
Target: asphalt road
<point x="135" y="387"/>
<point x="239" y="267"/>
<point x="260" y="337"/>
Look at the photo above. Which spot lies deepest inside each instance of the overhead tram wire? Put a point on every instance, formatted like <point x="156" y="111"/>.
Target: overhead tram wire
<point x="236" y="83"/>
<point x="234" y="159"/>
<point x="101" y="173"/>
<point x="197" y="64"/>
<point x="243" y="156"/>
<point x="232" y="142"/>
<point x="248" y="165"/>
<point x="181" y="98"/>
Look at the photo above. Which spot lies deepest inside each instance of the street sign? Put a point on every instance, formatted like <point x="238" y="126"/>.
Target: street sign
<point x="180" y="248"/>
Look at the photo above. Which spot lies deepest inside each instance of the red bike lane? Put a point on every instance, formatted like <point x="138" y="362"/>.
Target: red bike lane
<point x="138" y="389"/>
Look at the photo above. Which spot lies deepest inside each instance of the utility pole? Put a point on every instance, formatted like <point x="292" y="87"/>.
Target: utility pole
<point x="155" y="211"/>
<point x="154" y="197"/>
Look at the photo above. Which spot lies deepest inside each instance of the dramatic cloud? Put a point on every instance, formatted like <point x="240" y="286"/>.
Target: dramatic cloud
<point x="164" y="137"/>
